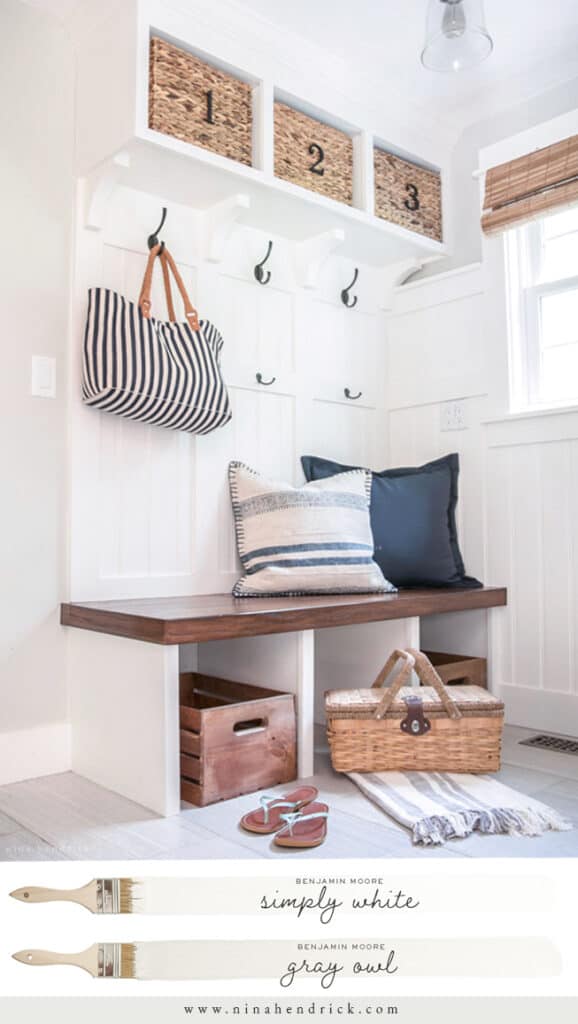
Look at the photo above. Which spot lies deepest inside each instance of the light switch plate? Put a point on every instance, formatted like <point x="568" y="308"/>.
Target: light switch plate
<point x="43" y="377"/>
<point x="453" y="416"/>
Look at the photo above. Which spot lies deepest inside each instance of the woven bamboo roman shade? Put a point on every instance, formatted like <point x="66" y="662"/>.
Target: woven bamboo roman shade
<point x="531" y="185"/>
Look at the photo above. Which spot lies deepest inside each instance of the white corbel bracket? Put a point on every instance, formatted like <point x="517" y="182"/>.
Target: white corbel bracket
<point x="99" y="186"/>
<point x="311" y="254"/>
<point x="218" y="222"/>
<point x="397" y="274"/>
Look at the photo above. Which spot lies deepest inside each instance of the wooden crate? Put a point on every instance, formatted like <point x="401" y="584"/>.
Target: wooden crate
<point x="198" y="103"/>
<point x="407" y="194"/>
<point x="313" y="154"/>
<point x="459" y="668"/>
<point x="235" y="738"/>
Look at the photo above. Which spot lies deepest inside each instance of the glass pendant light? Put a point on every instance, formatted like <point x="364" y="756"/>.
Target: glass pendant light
<point x="456" y="35"/>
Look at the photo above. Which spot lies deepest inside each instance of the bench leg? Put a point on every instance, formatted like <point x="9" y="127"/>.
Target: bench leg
<point x="305" y="694"/>
<point x="124" y="708"/>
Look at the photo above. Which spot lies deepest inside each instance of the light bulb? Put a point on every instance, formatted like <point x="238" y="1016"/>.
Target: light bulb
<point x="454" y="19"/>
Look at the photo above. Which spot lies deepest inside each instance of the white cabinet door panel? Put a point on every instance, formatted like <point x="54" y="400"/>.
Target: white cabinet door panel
<point x="257" y="326"/>
<point x="343" y="433"/>
<point x="340" y="349"/>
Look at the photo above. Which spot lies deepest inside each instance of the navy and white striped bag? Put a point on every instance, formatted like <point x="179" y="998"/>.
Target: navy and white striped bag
<point x="160" y="372"/>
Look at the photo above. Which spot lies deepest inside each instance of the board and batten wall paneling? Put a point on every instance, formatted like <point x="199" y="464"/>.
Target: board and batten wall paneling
<point x="150" y="508"/>
<point x="533" y="514"/>
<point x="518" y="507"/>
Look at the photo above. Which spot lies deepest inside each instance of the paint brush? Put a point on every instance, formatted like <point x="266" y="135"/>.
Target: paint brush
<point x="197" y="960"/>
<point x="101" y="896"/>
<point x="290" y="960"/>
<point x="192" y="896"/>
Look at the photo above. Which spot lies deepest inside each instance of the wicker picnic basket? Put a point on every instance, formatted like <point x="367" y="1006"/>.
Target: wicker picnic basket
<point x="405" y="728"/>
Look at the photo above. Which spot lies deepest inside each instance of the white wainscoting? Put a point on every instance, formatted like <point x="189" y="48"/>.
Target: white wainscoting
<point x="533" y="516"/>
<point x="518" y="508"/>
<point x="150" y="510"/>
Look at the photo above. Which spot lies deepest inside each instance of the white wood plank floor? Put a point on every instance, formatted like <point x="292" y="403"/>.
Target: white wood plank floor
<point x="65" y="817"/>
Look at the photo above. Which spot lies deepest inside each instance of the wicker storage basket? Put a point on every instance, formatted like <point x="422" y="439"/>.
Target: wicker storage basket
<point x="313" y="154"/>
<point x="198" y="103"/>
<point x="405" y="728"/>
<point x="407" y="194"/>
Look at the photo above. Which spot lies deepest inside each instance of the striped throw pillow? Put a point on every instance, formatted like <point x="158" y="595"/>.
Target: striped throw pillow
<point x="314" y="539"/>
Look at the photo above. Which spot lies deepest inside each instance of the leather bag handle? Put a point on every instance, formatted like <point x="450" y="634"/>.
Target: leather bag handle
<point x="401" y="678"/>
<point x="168" y="289"/>
<point x="167" y="264"/>
<point x="429" y="677"/>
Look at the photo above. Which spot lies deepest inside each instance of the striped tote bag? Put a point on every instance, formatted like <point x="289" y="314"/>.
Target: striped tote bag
<point x="156" y="371"/>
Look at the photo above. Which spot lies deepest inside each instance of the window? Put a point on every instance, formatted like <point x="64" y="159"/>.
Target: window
<point x="542" y="271"/>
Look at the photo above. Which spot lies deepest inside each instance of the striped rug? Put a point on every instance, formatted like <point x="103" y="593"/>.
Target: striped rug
<point x="437" y="806"/>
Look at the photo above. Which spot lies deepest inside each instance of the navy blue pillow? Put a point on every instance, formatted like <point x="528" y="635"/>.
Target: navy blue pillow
<point x="413" y="518"/>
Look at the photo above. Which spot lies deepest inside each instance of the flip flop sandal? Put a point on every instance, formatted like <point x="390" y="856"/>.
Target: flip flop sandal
<point x="267" y="818"/>
<point x="304" y="828"/>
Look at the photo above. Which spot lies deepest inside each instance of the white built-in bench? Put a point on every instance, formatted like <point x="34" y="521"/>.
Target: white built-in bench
<point x="125" y="658"/>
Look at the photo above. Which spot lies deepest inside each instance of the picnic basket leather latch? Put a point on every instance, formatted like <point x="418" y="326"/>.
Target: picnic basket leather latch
<point x="415" y="723"/>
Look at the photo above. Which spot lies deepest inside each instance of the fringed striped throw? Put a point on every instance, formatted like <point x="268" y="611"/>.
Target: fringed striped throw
<point x="438" y="806"/>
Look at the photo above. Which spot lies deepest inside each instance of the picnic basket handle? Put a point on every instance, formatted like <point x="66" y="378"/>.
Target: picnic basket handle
<point x="399" y="681"/>
<point x="429" y="677"/>
<point x="167" y="264"/>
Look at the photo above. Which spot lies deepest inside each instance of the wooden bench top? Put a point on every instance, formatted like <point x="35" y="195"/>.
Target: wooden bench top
<point x="181" y="620"/>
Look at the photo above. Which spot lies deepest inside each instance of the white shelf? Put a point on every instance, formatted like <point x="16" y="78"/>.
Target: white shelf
<point x="180" y="172"/>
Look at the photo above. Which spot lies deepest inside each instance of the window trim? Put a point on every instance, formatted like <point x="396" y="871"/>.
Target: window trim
<point x="523" y="264"/>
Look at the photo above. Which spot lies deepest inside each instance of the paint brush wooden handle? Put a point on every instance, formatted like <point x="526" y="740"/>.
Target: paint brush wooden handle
<point x="103" y="960"/>
<point x="87" y="896"/>
<point x="89" y="959"/>
<point x="101" y="896"/>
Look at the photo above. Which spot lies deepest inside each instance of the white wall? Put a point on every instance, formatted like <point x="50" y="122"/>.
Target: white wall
<point x="35" y="182"/>
<point x="464" y="237"/>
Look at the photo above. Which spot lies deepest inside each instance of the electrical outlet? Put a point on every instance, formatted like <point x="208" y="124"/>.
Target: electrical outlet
<point x="453" y="416"/>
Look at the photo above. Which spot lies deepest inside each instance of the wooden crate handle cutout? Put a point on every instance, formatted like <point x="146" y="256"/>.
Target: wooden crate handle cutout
<point x="252" y="725"/>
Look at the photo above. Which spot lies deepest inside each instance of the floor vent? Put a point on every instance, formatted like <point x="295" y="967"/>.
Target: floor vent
<point x="557" y="744"/>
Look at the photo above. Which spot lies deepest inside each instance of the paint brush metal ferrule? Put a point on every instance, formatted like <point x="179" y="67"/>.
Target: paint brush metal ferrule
<point x="108" y="896"/>
<point x="110" y="960"/>
<point x="101" y="896"/>
<point x="103" y="960"/>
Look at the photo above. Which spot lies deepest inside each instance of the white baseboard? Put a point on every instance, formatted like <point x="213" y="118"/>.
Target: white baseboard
<point x="543" y="710"/>
<point x="30" y="753"/>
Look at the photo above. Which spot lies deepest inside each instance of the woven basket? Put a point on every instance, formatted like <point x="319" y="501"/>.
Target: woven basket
<point x="407" y="194"/>
<point x="198" y="103"/>
<point x="405" y="728"/>
<point x="313" y="154"/>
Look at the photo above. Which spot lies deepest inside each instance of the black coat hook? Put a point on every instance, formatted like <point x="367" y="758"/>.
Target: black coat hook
<point x="263" y="277"/>
<point x="260" y="380"/>
<point x="153" y="239"/>
<point x="352" y="398"/>
<point x="346" y="291"/>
